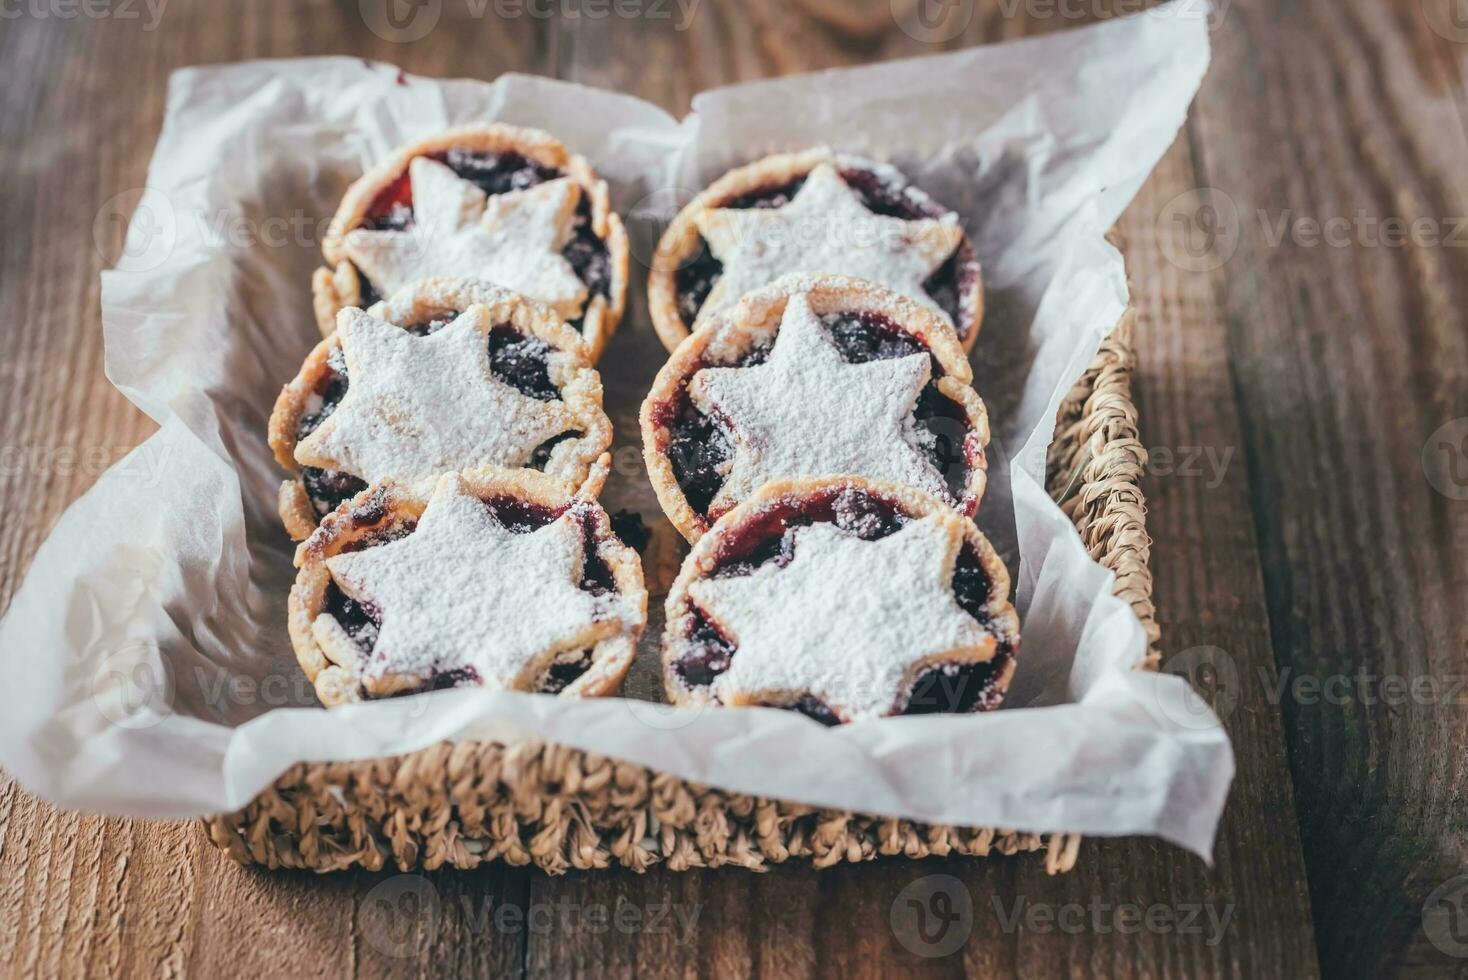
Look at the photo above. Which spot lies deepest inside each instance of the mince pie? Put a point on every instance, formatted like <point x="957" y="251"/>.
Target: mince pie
<point x="813" y="376"/>
<point x="844" y="600"/>
<point x="494" y="202"/>
<point x="447" y="375"/>
<point x="816" y="211"/>
<point x="496" y="581"/>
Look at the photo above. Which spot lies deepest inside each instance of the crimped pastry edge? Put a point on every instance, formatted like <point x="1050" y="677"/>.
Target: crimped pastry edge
<point x="337" y="284"/>
<point x="332" y="665"/>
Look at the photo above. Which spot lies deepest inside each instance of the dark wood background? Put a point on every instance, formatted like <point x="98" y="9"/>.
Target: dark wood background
<point x="1294" y="377"/>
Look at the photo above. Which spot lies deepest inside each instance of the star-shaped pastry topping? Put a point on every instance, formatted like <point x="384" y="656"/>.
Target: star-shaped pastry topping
<point x="512" y="239"/>
<point x="848" y="620"/>
<point x="416" y="407"/>
<point x="462" y="591"/>
<point x="825" y="228"/>
<point x="807" y="412"/>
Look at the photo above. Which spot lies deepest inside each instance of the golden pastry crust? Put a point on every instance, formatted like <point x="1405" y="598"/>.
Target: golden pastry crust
<point x="338" y="284"/>
<point x="738" y="329"/>
<point x="803" y="497"/>
<point x="681" y="242"/>
<point x="332" y="660"/>
<point x="573" y="462"/>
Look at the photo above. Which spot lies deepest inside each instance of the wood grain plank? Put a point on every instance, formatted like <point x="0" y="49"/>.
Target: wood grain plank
<point x="1347" y="357"/>
<point x="1207" y="554"/>
<point x="84" y="895"/>
<point x="155" y="898"/>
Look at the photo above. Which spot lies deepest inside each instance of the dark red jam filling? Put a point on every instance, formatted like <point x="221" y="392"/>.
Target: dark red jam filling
<point x="946" y="688"/>
<point x="814" y="708"/>
<point x="708" y="653"/>
<point x="958" y="689"/>
<point x="866" y="336"/>
<point x="520" y="516"/>
<point x="631" y="529"/>
<point x="519" y="361"/>
<point x="698" y="451"/>
<point x="327" y="489"/>
<point x="964" y="688"/>
<point x="950" y="285"/>
<point x="562" y="674"/>
<point x="540" y="457"/>
<point x="764" y="536"/>
<point x="496" y="173"/>
<point x="951" y="450"/>
<point x="361" y="620"/>
<point x="596" y="574"/>
<point x="588" y="254"/>
<point x="522" y="363"/>
<point x="699" y="448"/>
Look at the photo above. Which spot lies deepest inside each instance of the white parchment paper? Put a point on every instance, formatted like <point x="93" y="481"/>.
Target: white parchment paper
<point x="147" y="662"/>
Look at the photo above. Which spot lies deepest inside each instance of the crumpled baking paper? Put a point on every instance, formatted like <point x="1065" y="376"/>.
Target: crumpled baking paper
<point x="147" y="662"/>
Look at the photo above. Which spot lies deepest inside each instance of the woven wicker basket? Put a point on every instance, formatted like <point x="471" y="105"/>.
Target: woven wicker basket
<point x="463" y="804"/>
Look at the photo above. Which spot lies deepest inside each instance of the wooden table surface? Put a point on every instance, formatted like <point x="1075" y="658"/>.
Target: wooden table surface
<point x="1299" y="271"/>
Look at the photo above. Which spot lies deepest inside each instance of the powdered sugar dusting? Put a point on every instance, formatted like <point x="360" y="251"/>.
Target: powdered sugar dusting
<point x="513" y="239"/>
<point x="825" y="228"/>
<point x="891" y="178"/>
<point x="416" y="407"/>
<point x="847" y="620"/>
<point x="807" y="412"/>
<point x="462" y="591"/>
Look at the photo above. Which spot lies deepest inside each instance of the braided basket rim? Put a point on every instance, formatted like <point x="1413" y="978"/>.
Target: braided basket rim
<point x="464" y="804"/>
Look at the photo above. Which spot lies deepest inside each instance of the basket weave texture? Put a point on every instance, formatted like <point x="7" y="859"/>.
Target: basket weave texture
<point x="463" y="804"/>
